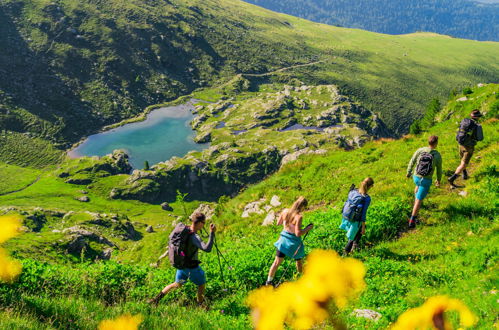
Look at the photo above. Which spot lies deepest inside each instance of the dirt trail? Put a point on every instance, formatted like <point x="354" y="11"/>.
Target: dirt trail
<point x="21" y="189"/>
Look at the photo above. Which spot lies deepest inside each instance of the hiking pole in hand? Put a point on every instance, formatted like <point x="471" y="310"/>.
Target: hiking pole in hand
<point x="286" y="269"/>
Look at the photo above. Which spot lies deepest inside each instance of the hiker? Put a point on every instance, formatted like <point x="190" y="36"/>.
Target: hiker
<point x="354" y="214"/>
<point x="470" y="132"/>
<point x="183" y="253"/>
<point x="290" y="243"/>
<point x="425" y="160"/>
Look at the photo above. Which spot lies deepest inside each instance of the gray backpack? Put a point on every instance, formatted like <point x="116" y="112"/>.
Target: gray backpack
<point x="178" y="246"/>
<point x="352" y="210"/>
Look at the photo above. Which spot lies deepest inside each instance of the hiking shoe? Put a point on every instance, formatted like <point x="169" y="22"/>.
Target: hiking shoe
<point x="465" y="175"/>
<point x="412" y="224"/>
<point x="451" y="181"/>
<point x="269" y="283"/>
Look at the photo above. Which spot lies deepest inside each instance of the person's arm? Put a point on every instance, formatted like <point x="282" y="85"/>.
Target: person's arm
<point x="206" y="247"/>
<point x="280" y="221"/>
<point x="412" y="162"/>
<point x="298" y="231"/>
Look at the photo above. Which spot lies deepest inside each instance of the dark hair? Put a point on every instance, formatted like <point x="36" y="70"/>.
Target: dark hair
<point x="433" y="140"/>
<point x="476" y="113"/>
<point x="198" y="217"/>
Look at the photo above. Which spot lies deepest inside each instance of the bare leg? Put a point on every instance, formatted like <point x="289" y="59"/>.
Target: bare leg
<point x="275" y="265"/>
<point x="460" y="168"/>
<point x="171" y="287"/>
<point x="201" y="293"/>
<point x="299" y="266"/>
<point x="417" y="206"/>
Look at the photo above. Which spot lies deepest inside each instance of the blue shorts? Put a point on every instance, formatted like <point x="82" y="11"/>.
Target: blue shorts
<point x="196" y="275"/>
<point x="423" y="185"/>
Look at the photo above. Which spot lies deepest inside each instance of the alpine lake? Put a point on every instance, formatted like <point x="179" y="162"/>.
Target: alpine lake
<point x="163" y="134"/>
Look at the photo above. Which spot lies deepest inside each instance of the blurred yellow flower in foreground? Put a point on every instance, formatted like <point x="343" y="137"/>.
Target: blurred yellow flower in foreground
<point x="9" y="268"/>
<point x="303" y="303"/>
<point x="431" y="315"/>
<point x="124" y="322"/>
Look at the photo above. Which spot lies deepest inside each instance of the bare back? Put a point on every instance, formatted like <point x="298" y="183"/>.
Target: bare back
<point x="293" y="228"/>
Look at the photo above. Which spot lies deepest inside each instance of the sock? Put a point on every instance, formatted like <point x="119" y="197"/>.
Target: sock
<point x="413" y="217"/>
<point x="269" y="279"/>
<point x="453" y="177"/>
<point x="465" y="173"/>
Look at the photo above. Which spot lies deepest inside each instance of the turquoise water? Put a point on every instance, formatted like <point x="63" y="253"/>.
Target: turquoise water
<point x="165" y="133"/>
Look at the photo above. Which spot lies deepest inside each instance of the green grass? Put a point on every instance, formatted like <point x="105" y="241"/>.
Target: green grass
<point x="21" y="150"/>
<point x="15" y="178"/>
<point x="453" y="251"/>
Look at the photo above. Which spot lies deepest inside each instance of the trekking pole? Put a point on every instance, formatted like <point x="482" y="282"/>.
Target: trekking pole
<point x="219" y="262"/>
<point x="286" y="269"/>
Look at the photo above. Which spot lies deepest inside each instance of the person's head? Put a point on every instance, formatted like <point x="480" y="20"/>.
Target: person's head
<point x="298" y="206"/>
<point x="433" y="141"/>
<point x="365" y="185"/>
<point x="476" y="114"/>
<point x="198" y="220"/>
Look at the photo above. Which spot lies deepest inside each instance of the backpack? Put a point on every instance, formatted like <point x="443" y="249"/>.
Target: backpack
<point x="352" y="210"/>
<point x="425" y="164"/>
<point x="177" y="246"/>
<point x="464" y="135"/>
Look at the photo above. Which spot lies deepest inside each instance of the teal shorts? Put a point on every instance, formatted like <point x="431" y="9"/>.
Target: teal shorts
<point x="423" y="185"/>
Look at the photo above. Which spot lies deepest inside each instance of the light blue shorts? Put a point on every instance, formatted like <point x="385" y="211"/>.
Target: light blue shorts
<point x="423" y="185"/>
<point x="196" y="275"/>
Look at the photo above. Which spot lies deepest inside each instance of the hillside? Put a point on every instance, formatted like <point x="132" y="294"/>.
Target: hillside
<point x="462" y="19"/>
<point x="70" y="62"/>
<point x="63" y="287"/>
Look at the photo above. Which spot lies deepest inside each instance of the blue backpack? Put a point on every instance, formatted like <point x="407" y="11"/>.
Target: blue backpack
<point x="352" y="210"/>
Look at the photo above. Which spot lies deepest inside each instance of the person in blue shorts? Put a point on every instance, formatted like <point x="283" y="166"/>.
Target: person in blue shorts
<point x="421" y="168"/>
<point x="290" y="243"/>
<point x="192" y="271"/>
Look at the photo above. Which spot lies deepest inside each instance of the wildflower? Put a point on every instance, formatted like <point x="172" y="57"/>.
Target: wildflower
<point x="124" y="322"/>
<point x="9" y="268"/>
<point x="431" y="315"/>
<point x="303" y="303"/>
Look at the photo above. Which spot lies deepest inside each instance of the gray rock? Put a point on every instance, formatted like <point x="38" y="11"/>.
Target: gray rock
<point x="106" y="254"/>
<point x="84" y="199"/>
<point x="206" y="209"/>
<point x="269" y="219"/>
<point x="253" y="207"/>
<point x="274" y="201"/>
<point x="463" y="193"/>
<point x="149" y="229"/>
<point x="165" y="206"/>
<point x="367" y="313"/>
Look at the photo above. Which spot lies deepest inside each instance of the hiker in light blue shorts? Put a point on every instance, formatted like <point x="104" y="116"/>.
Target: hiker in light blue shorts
<point x="290" y="243"/>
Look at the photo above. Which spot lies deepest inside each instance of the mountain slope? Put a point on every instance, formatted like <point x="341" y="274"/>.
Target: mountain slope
<point x="64" y="63"/>
<point x="462" y="18"/>
<point x="459" y="256"/>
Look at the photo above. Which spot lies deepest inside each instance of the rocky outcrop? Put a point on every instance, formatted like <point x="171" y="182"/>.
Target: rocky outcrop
<point x="295" y="155"/>
<point x="206" y="209"/>
<point x="198" y="178"/>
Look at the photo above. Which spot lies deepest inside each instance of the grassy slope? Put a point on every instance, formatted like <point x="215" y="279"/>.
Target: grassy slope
<point x="175" y="49"/>
<point x="458" y="257"/>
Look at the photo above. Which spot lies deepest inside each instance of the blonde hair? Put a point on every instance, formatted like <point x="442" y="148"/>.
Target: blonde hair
<point x="365" y="185"/>
<point x="297" y="206"/>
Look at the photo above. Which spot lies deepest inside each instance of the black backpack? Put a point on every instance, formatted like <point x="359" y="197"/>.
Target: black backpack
<point x="352" y="210"/>
<point x="465" y="132"/>
<point x="178" y="246"/>
<point x="425" y="164"/>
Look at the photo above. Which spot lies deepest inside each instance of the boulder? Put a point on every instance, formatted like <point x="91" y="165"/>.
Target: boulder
<point x="149" y="229"/>
<point x="206" y="209"/>
<point x="165" y="206"/>
<point x="84" y="199"/>
<point x="253" y="207"/>
<point x="274" y="201"/>
<point x="367" y="313"/>
<point x="269" y="219"/>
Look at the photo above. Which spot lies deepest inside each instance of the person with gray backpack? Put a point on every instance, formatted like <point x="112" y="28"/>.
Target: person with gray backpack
<point x="354" y="214"/>
<point x="183" y="247"/>
<point x="469" y="133"/>
<point x="423" y="163"/>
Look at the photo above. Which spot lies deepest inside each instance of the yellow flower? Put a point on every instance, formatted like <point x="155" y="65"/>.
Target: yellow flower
<point x="431" y="315"/>
<point x="10" y="227"/>
<point x="9" y="268"/>
<point x="303" y="303"/>
<point x="124" y="322"/>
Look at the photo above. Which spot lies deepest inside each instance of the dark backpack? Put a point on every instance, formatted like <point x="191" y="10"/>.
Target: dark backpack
<point x="425" y="164"/>
<point x="352" y="210"/>
<point x="465" y="133"/>
<point x="178" y="246"/>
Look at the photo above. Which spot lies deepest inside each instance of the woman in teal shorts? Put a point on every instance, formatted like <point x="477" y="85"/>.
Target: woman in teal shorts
<point x="290" y="243"/>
